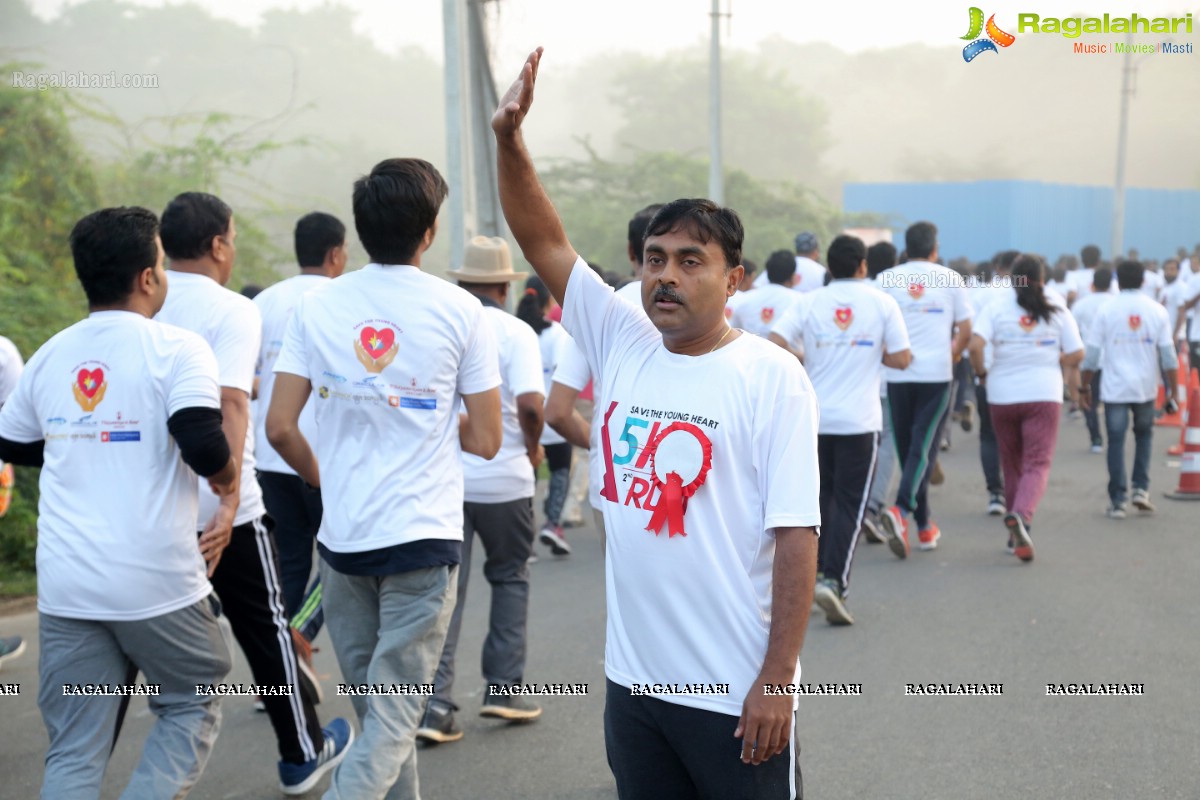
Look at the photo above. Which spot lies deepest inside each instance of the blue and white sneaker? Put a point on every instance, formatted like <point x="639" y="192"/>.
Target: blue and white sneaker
<point x="297" y="779"/>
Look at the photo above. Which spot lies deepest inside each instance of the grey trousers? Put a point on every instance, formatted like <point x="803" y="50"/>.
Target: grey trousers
<point x="883" y="485"/>
<point x="386" y="629"/>
<point x="506" y="531"/>
<point x="177" y="651"/>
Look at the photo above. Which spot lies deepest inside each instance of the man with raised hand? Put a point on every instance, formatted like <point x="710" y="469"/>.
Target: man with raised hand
<point x="390" y="350"/>
<point x="711" y="487"/>
<point x="122" y="413"/>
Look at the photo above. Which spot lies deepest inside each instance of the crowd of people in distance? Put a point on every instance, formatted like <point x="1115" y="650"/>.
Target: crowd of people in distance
<point x="219" y="471"/>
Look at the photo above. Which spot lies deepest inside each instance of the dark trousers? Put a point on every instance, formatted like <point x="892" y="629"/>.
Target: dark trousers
<point x="558" y="459"/>
<point x="989" y="453"/>
<point x="664" y="751"/>
<point x="247" y="581"/>
<point x="506" y="531"/>
<point x="1116" y="418"/>
<point x="296" y="510"/>
<point x="847" y="467"/>
<point x="918" y="416"/>
<point x="1092" y="415"/>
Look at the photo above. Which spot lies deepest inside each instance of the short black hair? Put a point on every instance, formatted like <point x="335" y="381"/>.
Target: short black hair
<point x="189" y="223"/>
<point x="316" y="234"/>
<point x="920" y="240"/>
<point x="1130" y="274"/>
<point x="781" y="266"/>
<point x="1090" y="256"/>
<point x="1004" y="259"/>
<point x="1102" y="279"/>
<point x="637" y="230"/>
<point x="395" y="205"/>
<point x="704" y="220"/>
<point x="111" y="247"/>
<point x="845" y="255"/>
<point x="880" y="256"/>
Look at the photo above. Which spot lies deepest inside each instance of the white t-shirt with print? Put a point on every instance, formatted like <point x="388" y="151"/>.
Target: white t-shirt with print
<point x="117" y="517"/>
<point x="11" y="367"/>
<point x="1152" y="285"/>
<point x="1025" y="352"/>
<point x="232" y="326"/>
<point x="1174" y="295"/>
<point x="389" y="350"/>
<point x="762" y="308"/>
<point x="933" y="299"/>
<point x="848" y="326"/>
<point x="1085" y="308"/>
<point x="1129" y="329"/>
<point x="574" y="372"/>
<point x="693" y="605"/>
<point x="275" y="304"/>
<point x="1193" y="291"/>
<point x="551" y="342"/>
<point x="810" y="275"/>
<point x="509" y="476"/>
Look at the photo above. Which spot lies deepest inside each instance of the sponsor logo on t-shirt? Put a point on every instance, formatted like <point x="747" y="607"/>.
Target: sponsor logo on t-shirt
<point x="423" y="403"/>
<point x="843" y="317"/>
<point x="916" y="290"/>
<point x="767" y="314"/>
<point x="1027" y="323"/>
<point x="89" y="387"/>
<point x="376" y="345"/>
<point x="120" y="436"/>
<point x="1135" y="322"/>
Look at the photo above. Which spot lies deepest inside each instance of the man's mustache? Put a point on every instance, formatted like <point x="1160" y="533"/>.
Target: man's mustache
<point x="667" y="293"/>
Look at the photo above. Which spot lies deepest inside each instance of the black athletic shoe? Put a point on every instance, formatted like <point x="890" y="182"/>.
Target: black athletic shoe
<point x="438" y="726"/>
<point x="512" y="707"/>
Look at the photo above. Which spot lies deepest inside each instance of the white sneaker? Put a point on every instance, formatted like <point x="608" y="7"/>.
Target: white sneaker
<point x="995" y="506"/>
<point x="1115" y="512"/>
<point x="1097" y="448"/>
<point x="1141" y="500"/>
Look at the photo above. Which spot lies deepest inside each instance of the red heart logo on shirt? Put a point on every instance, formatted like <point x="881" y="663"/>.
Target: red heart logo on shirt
<point x="915" y="290"/>
<point x="767" y="314"/>
<point x="842" y="317"/>
<point x="1027" y="323"/>
<point x="1135" y="322"/>
<point x="89" y="381"/>
<point x="377" y="342"/>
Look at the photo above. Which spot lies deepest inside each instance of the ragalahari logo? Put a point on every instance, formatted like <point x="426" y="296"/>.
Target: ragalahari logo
<point x="994" y="37"/>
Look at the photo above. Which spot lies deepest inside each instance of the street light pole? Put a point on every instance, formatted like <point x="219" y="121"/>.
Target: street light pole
<point x="716" y="177"/>
<point x="1118" y="232"/>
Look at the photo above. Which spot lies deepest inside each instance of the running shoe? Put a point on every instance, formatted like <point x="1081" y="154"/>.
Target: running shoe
<point x="1115" y="511"/>
<point x="11" y="647"/>
<point x="438" y="725"/>
<point x="828" y="595"/>
<point x="1018" y="536"/>
<point x="1141" y="500"/>
<point x="870" y="525"/>
<point x="927" y="538"/>
<point x="310" y="684"/>
<point x="995" y="505"/>
<point x="894" y="528"/>
<point x="295" y="779"/>
<point x="511" y="707"/>
<point x="1097" y="448"/>
<point x="967" y="417"/>
<point x="552" y="537"/>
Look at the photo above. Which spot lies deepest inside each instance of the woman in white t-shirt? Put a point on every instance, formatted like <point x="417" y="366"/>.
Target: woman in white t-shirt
<point x="534" y="308"/>
<point x="1033" y="337"/>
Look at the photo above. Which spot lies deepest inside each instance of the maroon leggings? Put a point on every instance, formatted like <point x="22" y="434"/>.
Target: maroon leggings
<point x="1026" y="434"/>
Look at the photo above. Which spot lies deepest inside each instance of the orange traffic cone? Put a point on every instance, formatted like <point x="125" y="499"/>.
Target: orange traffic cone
<point x="1179" y="417"/>
<point x="1178" y="449"/>
<point x="1189" y="466"/>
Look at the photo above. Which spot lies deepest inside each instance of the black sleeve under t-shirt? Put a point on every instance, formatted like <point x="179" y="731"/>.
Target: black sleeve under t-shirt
<point x="201" y="440"/>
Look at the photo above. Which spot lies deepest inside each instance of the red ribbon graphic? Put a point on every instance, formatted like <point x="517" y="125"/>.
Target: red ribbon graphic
<point x="673" y="493"/>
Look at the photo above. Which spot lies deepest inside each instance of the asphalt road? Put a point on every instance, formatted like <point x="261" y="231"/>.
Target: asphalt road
<point x="1104" y="602"/>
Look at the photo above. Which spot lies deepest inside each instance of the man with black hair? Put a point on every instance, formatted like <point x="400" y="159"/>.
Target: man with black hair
<point x="996" y="287"/>
<point x="881" y="256"/>
<point x="710" y="495"/>
<point x="848" y="329"/>
<point x="198" y="235"/>
<point x="122" y="583"/>
<point x="1129" y="341"/>
<point x="937" y="315"/>
<point x="759" y="311"/>
<point x="320" y="246"/>
<point x="1085" y="310"/>
<point x="390" y="350"/>
<point x="1079" y="282"/>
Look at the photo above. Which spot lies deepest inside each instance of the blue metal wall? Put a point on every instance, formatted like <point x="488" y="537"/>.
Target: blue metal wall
<point x="978" y="218"/>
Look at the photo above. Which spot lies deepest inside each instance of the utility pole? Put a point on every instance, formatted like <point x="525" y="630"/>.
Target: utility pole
<point x="457" y="126"/>
<point x="716" y="175"/>
<point x="1118" y="232"/>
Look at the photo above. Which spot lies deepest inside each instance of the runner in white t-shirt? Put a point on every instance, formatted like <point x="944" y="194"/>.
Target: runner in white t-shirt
<point x="937" y="314"/>
<point x="389" y="350"/>
<point x="320" y="243"/>
<point x="710" y="490"/>
<point x="848" y="329"/>
<point x="1033" y="337"/>
<point x="1079" y="282"/>
<point x="11" y="366"/>
<point x="1129" y="341"/>
<point x="498" y="505"/>
<point x="198" y="235"/>
<point x="760" y="309"/>
<point x="118" y="410"/>
<point x="1085" y="309"/>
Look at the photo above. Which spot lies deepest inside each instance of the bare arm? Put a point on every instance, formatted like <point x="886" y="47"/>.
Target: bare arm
<point x="779" y="340"/>
<point x="962" y="337"/>
<point x="530" y="214"/>
<point x="479" y="430"/>
<point x="976" y="354"/>
<point x="530" y="413"/>
<point x="766" y="720"/>
<point x="899" y="360"/>
<point x="565" y="419"/>
<point x="283" y="426"/>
